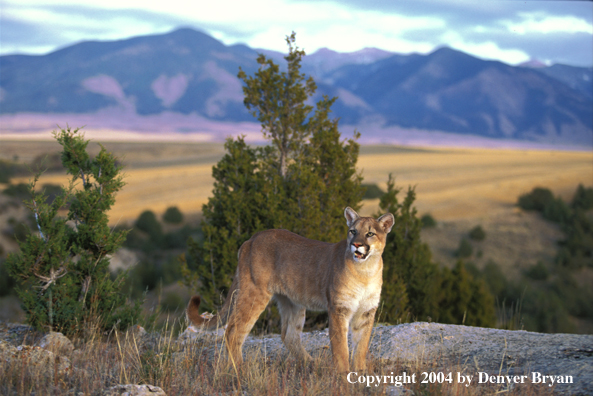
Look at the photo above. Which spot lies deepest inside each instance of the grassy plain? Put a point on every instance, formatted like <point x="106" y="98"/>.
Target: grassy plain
<point x="461" y="188"/>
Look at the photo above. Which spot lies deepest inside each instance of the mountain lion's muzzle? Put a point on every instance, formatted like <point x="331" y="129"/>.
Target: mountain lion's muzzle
<point x="359" y="250"/>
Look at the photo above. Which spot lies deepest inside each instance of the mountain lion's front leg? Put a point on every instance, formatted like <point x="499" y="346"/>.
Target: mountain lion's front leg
<point x="362" y="326"/>
<point x="338" y="337"/>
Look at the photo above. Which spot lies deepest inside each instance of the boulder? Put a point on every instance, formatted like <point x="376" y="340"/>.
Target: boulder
<point x="56" y="343"/>
<point x="134" y="390"/>
<point x="38" y="361"/>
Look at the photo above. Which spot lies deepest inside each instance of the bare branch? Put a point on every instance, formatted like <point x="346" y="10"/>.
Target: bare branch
<point x="101" y="185"/>
<point x="37" y="221"/>
<point x="82" y="177"/>
<point x="86" y="285"/>
<point x="53" y="277"/>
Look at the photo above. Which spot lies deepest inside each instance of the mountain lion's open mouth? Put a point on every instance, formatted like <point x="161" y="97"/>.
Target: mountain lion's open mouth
<point x="360" y="252"/>
<point x="359" y="255"/>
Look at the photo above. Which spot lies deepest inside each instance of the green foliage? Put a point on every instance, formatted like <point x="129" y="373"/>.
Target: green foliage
<point x="408" y="272"/>
<point x="62" y="271"/>
<point x="583" y="198"/>
<point x="537" y="199"/>
<point x="477" y="233"/>
<point x="576" y="249"/>
<point x="495" y="279"/>
<point x="416" y="288"/>
<point x="301" y="182"/>
<point x="49" y="162"/>
<point x="7" y="283"/>
<point x="51" y="191"/>
<point x="147" y="235"/>
<point x="158" y="253"/>
<point x="277" y="99"/>
<point x="542" y="301"/>
<point x="372" y="191"/>
<point x="428" y="221"/>
<point x="6" y="171"/>
<point x="538" y="272"/>
<point x="463" y="299"/>
<point x="148" y="223"/>
<point x="19" y="191"/>
<point x="544" y="312"/>
<point x="177" y="239"/>
<point x="18" y="231"/>
<point x="464" y="250"/>
<point x="172" y="302"/>
<point x="173" y="215"/>
<point x="576" y="300"/>
<point x="547" y="297"/>
<point x="147" y="275"/>
<point x="557" y="211"/>
<point x="553" y="209"/>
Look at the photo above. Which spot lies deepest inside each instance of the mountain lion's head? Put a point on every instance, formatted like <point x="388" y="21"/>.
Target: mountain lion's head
<point x="366" y="235"/>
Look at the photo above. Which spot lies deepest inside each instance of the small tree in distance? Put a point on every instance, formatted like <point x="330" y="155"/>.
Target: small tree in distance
<point x="278" y="101"/>
<point x="62" y="270"/>
<point x="173" y="215"/>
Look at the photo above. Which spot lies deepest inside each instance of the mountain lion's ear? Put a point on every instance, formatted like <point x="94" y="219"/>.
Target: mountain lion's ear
<point x="350" y="215"/>
<point x="386" y="222"/>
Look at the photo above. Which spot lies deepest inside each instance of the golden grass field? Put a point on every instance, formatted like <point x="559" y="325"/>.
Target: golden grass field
<point x="451" y="184"/>
<point x="461" y="188"/>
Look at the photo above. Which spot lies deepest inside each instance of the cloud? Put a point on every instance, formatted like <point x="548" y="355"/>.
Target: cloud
<point x="43" y="28"/>
<point x="506" y="30"/>
<point x="485" y="49"/>
<point x="548" y="24"/>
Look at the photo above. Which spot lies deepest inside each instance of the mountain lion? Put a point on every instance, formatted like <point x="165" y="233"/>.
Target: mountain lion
<point x="342" y="278"/>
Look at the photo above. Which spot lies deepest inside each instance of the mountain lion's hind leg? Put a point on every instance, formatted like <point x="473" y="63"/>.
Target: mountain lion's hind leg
<point x="293" y="320"/>
<point x="250" y="304"/>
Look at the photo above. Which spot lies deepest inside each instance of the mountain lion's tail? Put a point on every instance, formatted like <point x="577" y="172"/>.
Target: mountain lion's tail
<point x="218" y="320"/>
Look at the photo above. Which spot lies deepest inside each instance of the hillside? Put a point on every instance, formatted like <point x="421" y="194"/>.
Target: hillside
<point x="187" y="78"/>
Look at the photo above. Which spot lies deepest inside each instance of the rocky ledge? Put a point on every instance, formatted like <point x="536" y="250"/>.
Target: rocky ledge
<point x="563" y="362"/>
<point x="560" y="362"/>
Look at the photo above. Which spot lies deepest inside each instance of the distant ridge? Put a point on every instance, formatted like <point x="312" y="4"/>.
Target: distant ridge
<point x="189" y="73"/>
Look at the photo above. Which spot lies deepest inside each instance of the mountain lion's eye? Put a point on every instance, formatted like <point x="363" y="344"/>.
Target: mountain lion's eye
<point x="370" y="234"/>
<point x="353" y="232"/>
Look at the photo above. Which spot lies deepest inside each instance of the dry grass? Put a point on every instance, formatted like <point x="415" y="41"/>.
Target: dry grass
<point x="121" y="358"/>
<point x="455" y="184"/>
<point x="451" y="184"/>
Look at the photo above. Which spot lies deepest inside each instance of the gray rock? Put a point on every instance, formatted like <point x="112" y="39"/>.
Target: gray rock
<point x="134" y="390"/>
<point x="142" y="339"/>
<point x="456" y="349"/>
<point x="56" y="343"/>
<point x="38" y="361"/>
<point x="18" y="334"/>
<point x="7" y="353"/>
<point x="492" y="351"/>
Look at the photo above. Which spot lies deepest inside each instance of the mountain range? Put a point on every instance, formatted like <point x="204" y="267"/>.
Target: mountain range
<point x="188" y="73"/>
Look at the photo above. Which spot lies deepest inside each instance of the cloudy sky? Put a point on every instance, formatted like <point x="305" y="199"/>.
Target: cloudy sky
<point x="508" y="30"/>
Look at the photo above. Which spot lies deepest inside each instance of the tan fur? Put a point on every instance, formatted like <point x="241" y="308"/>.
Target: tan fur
<point x="300" y="274"/>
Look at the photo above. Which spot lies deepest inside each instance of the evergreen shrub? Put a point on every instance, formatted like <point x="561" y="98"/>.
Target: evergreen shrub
<point x="173" y="215"/>
<point x="62" y="269"/>
<point x="464" y="250"/>
<point x="372" y="191"/>
<point x="477" y="233"/>
<point x="428" y="221"/>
